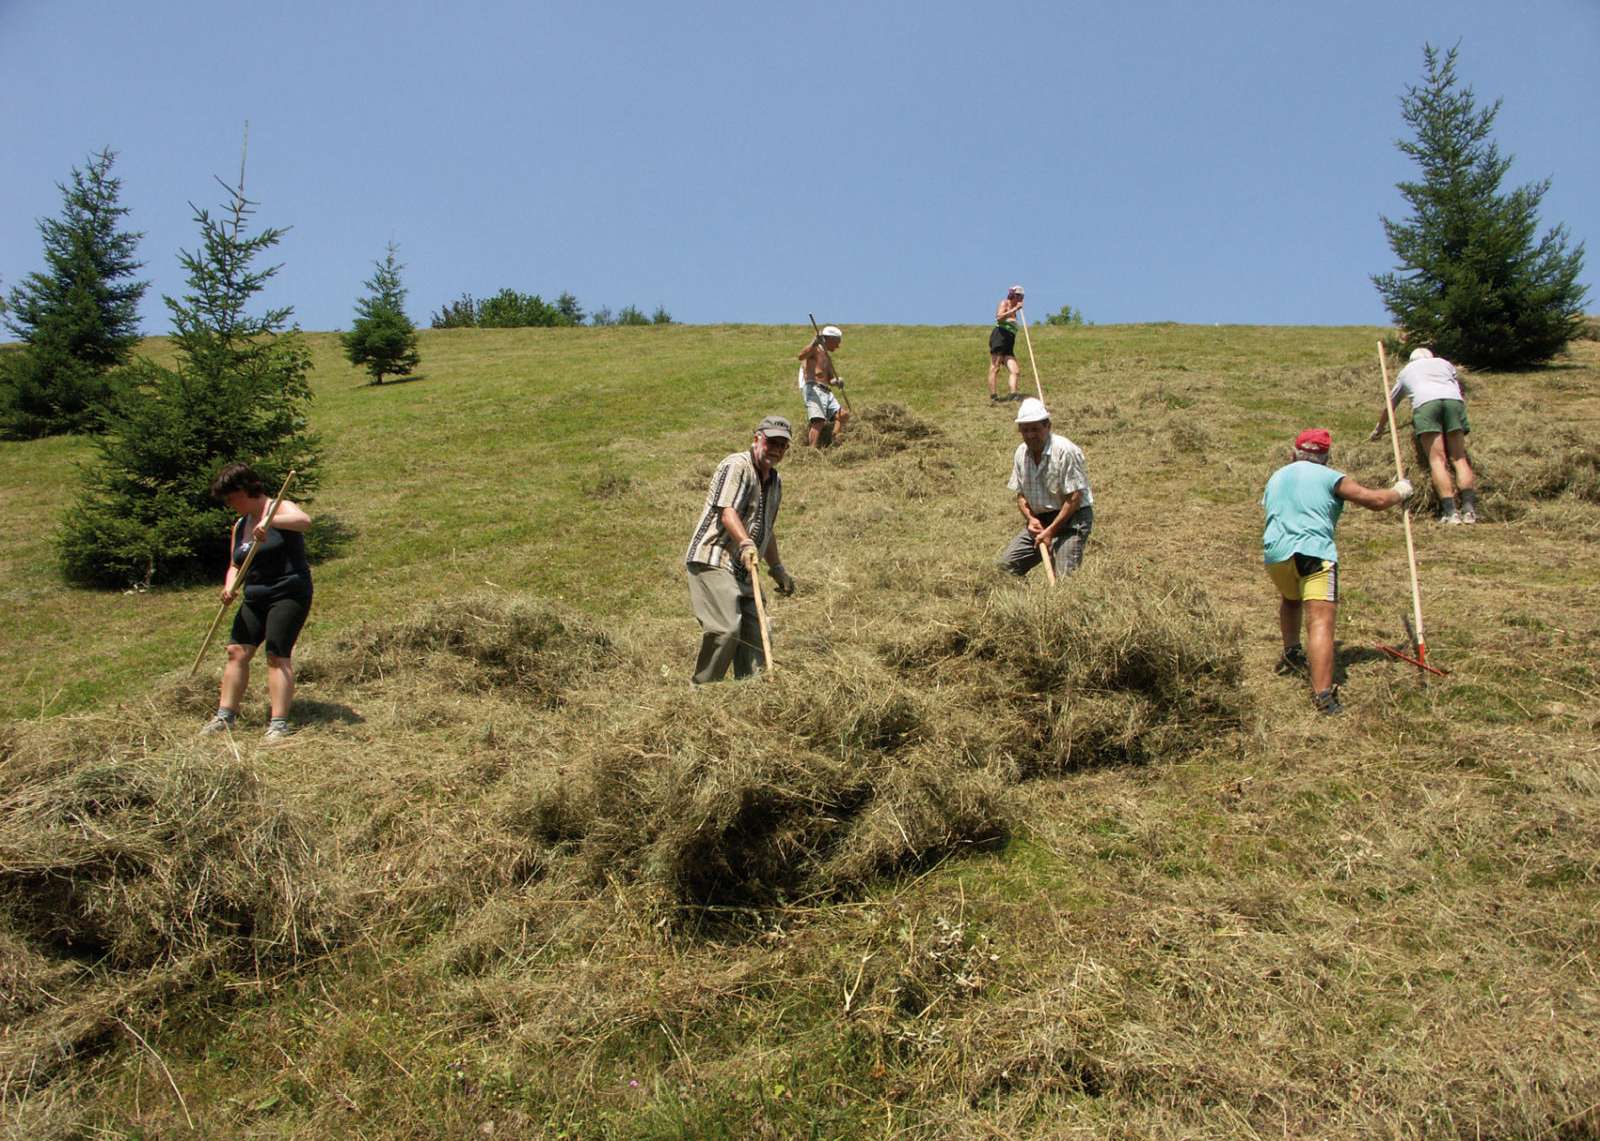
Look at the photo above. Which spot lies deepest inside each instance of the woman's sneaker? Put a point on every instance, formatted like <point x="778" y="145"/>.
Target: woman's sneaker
<point x="277" y="730"/>
<point x="1451" y="519"/>
<point x="1469" y="516"/>
<point x="218" y="723"/>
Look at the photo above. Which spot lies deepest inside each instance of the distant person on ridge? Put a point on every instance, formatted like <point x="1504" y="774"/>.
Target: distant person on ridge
<point x="1303" y="501"/>
<point x="817" y="381"/>
<point x="734" y="531"/>
<point x="277" y="596"/>
<point x="1003" y="344"/>
<point x="1052" y="487"/>
<point x="1439" y="422"/>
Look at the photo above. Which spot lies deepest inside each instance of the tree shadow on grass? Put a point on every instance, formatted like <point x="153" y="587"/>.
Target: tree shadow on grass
<point x="312" y="712"/>
<point x="328" y="539"/>
<point x="394" y="380"/>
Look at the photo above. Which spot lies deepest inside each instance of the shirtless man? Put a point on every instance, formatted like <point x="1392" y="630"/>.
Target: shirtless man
<point x="817" y="380"/>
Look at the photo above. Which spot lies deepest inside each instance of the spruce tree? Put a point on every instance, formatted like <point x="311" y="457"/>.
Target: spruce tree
<point x="383" y="339"/>
<point x="1473" y="283"/>
<point x="79" y="317"/>
<point x="239" y="391"/>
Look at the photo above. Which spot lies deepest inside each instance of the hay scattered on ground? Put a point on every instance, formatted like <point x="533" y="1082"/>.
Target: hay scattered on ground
<point x="488" y="639"/>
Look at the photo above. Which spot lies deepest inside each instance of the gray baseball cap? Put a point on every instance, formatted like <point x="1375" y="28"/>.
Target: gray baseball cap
<point x="775" y="426"/>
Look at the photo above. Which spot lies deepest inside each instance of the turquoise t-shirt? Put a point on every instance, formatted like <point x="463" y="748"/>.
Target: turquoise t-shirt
<point x="1302" y="511"/>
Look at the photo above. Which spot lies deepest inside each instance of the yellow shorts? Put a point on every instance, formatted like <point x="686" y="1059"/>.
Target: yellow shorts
<point x="1305" y="579"/>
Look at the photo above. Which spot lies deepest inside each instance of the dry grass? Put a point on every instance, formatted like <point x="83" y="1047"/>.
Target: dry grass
<point x="980" y="859"/>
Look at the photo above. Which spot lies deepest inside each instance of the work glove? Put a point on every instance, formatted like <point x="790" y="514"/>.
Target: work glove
<point x="748" y="555"/>
<point x="1403" y="489"/>
<point x="784" y="579"/>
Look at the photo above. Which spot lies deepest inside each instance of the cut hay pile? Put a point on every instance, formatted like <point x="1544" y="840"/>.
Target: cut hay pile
<point x="481" y="641"/>
<point x="808" y="784"/>
<point x="1118" y="664"/>
<point x="129" y="872"/>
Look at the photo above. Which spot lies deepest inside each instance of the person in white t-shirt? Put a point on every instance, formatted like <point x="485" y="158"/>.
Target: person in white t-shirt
<point x="1439" y="420"/>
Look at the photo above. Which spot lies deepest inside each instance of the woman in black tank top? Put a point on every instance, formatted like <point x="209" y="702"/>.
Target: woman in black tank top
<point x="277" y="595"/>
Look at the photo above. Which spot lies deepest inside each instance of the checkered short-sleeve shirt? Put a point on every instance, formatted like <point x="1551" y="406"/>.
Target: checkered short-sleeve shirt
<point x="1059" y="472"/>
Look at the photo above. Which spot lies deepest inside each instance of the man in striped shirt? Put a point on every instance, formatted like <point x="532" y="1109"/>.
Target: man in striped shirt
<point x="1052" y="487"/>
<point x="734" y="531"/>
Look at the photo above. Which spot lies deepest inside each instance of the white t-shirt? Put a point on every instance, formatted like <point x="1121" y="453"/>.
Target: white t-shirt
<point x="1431" y="378"/>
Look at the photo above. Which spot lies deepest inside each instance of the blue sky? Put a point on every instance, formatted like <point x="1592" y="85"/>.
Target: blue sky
<point x="870" y="162"/>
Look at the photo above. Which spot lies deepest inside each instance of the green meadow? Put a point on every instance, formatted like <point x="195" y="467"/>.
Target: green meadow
<point x="980" y="858"/>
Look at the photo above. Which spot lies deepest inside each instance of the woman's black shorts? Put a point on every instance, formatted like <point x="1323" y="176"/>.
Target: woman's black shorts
<point x="1003" y="342"/>
<point x="277" y="621"/>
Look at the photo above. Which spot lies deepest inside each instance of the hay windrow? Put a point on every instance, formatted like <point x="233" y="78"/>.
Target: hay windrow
<point x="141" y="862"/>
<point x="481" y="640"/>
<point x="1115" y="665"/>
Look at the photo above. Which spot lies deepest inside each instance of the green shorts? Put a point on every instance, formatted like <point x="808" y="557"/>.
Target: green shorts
<point x="1440" y="416"/>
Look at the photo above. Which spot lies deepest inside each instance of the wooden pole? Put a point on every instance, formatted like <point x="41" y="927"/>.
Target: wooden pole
<point x="761" y="617"/>
<point x="836" y="376"/>
<point x="1032" y="363"/>
<point x="244" y="569"/>
<point x="1400" y="473"/>
<point x="1049" y="563"/>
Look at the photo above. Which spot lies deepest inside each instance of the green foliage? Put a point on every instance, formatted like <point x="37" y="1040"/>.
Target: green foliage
<point x="1474" y="284"/>
<point x="509" y="309"/>
<point x="1066" y="316"/>
<point x="78" y="318"/>
<point x="239" y="392"/>
<point x="567" y="305"/>
<point x="631" y="315"/>
<point x="602" y="317"/>
<point x="383" y="340"/>
<point x="462" y="313"/>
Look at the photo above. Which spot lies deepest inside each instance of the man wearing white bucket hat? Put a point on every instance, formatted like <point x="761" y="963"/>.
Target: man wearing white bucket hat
<point x="1052" y="488"/>
<point x="817" y="380"/>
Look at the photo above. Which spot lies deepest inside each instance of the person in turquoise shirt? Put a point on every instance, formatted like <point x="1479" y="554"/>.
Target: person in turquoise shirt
<point x="1303" y="501"/>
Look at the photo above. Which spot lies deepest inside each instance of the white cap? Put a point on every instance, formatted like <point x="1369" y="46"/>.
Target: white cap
<point x="1032" y="411"/>
<point x="1017" y="289"/>
<point x="1421" y="354"/>
<point x="832" y="331"/>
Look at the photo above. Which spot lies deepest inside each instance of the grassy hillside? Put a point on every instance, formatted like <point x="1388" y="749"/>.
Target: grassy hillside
<point x="979" y="859"/>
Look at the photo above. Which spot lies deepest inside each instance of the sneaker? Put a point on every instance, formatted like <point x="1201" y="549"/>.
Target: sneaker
<point x="1017" y="396"/>
<point x="1293" y="661"/>
<point x="1327" y="701"/>
<point x="1451" y="519"/>
<point x="993" y="399"/>
<point x="276" y="731"/>
<point x="217" y="724"/>
<point x="1469" y="516"/>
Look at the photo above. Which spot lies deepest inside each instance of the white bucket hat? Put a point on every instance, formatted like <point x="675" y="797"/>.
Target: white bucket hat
<point x="1032" y="411"/>
<point x="832" y="331"/>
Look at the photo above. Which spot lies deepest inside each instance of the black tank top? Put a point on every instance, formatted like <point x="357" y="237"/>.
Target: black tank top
<point x="280" y="569"/>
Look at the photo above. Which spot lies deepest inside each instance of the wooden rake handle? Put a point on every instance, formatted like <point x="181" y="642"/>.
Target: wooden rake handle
<point x="1400" y="473"/>
<point x="1032" y="363"/>
<point x="244" y="569"/>
<point x="761" y="616"/>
